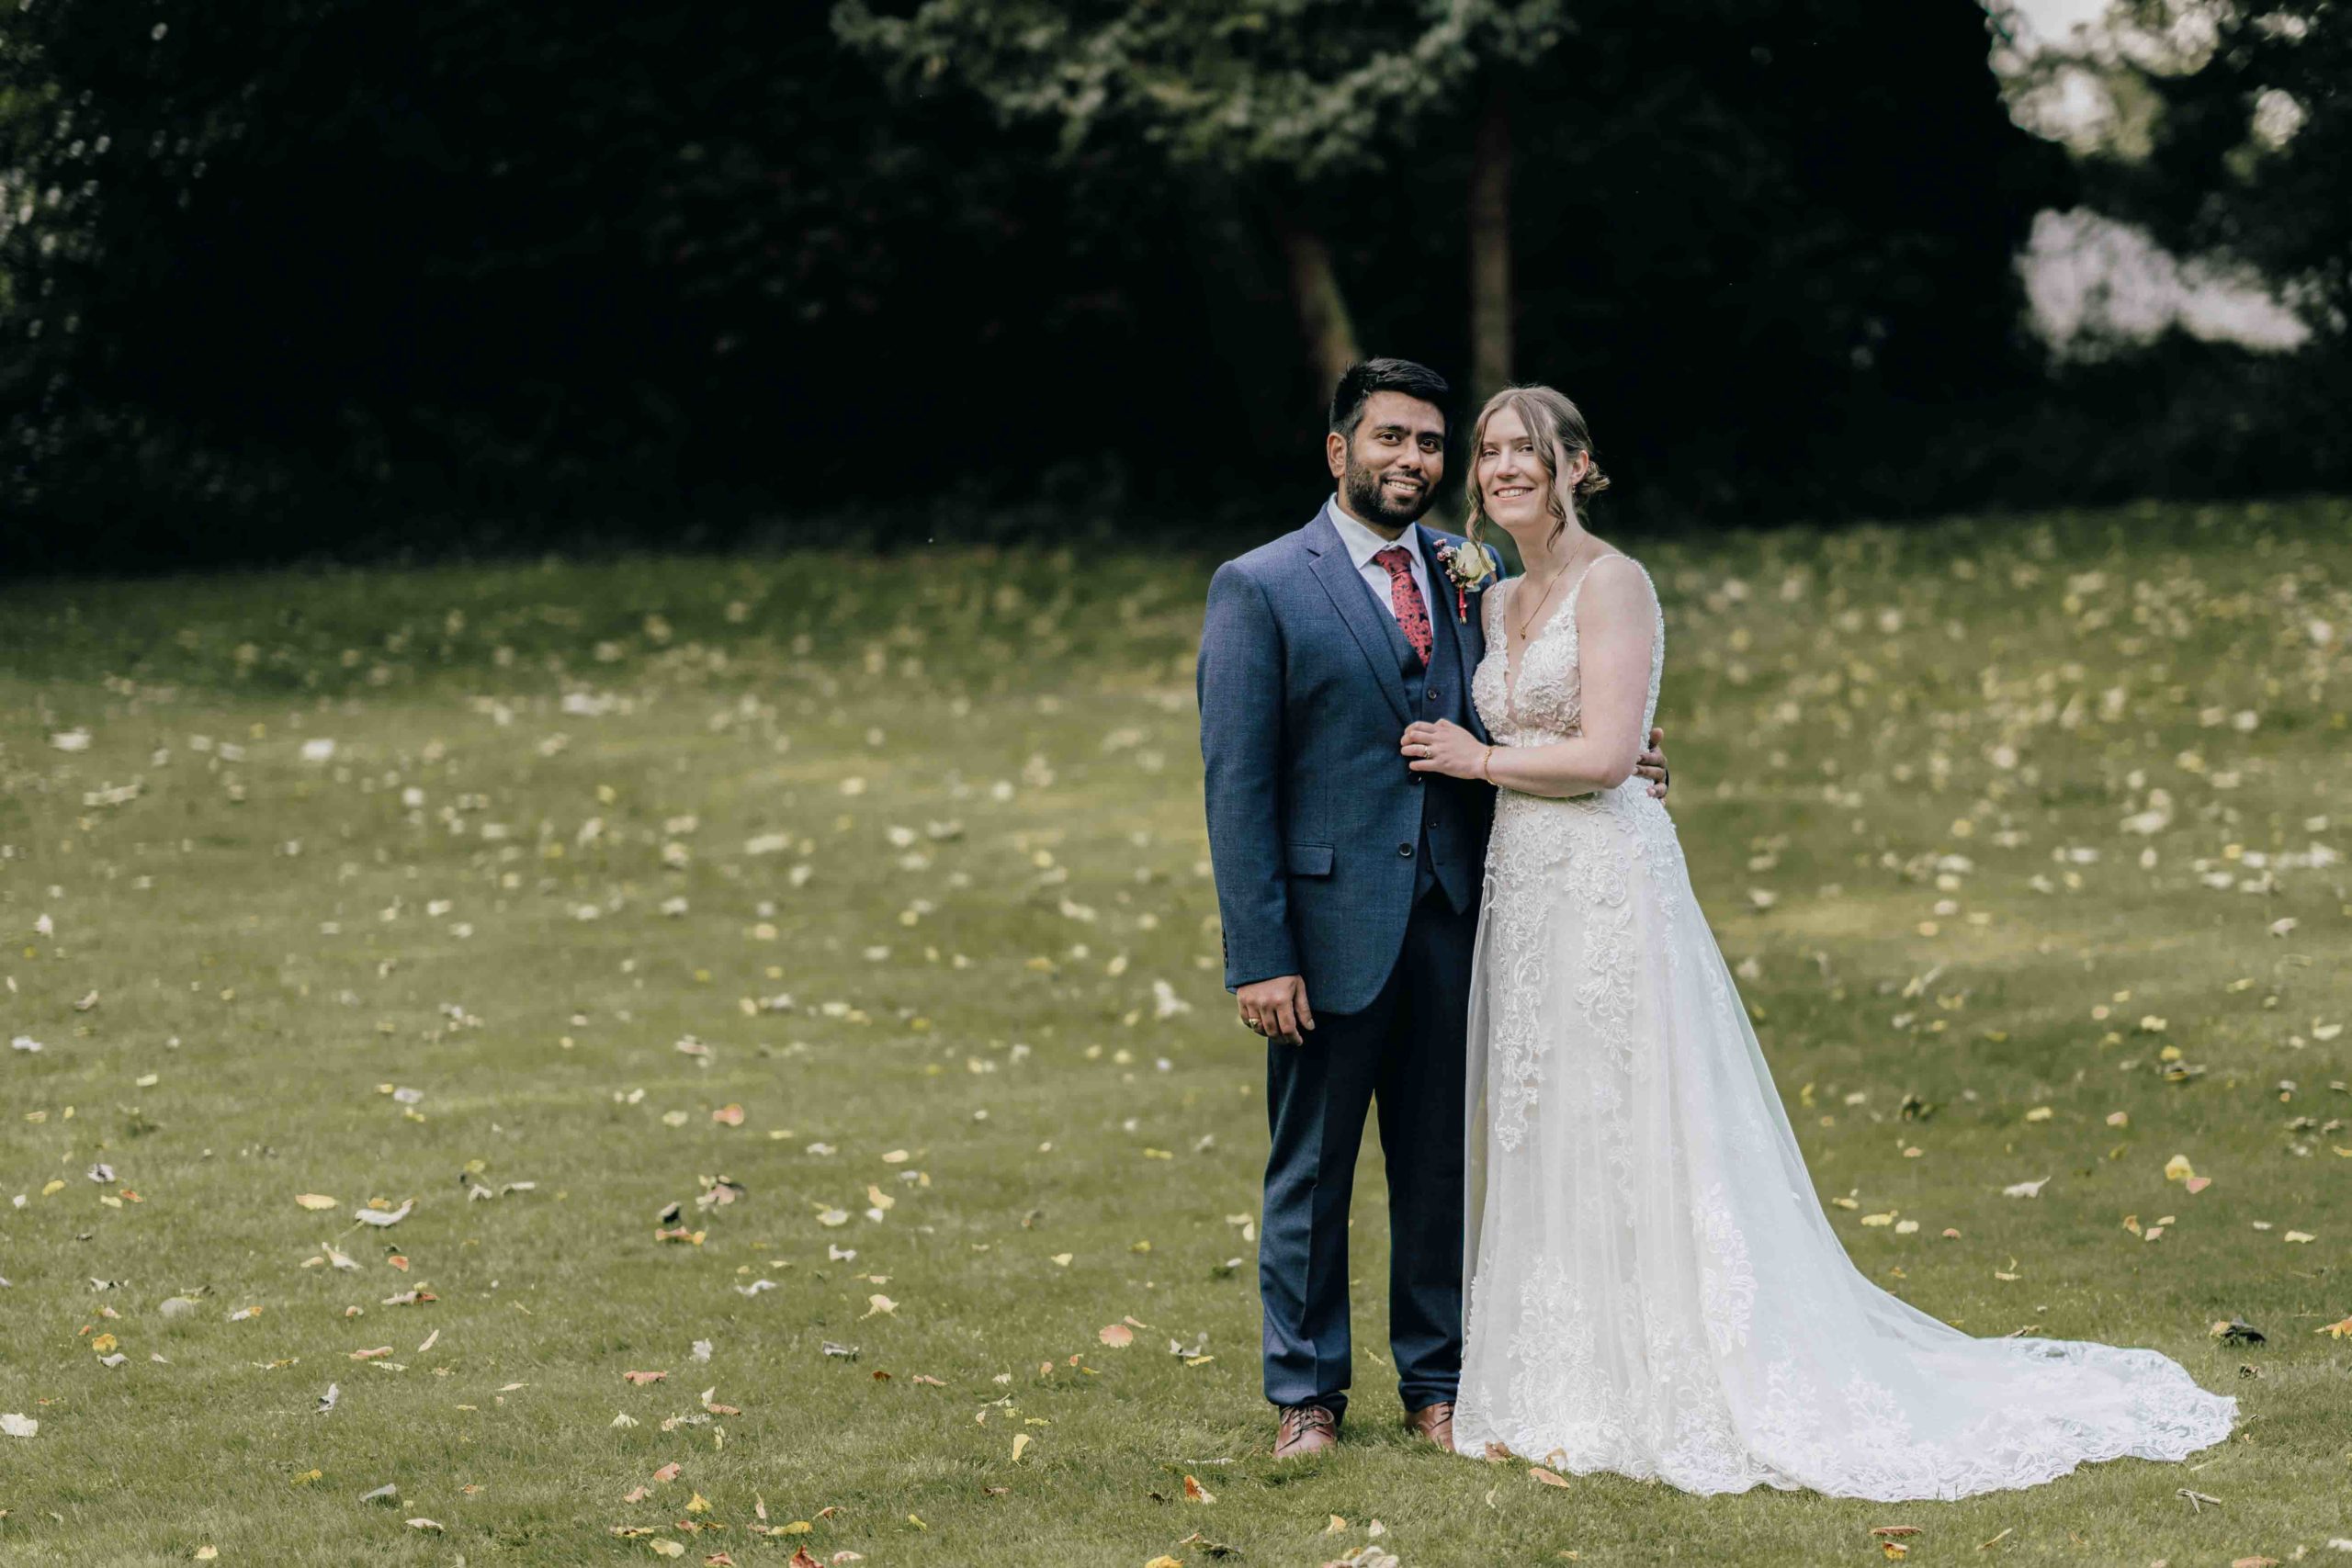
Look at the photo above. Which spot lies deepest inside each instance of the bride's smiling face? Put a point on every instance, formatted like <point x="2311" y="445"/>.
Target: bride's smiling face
<point x="1514" y="484"/>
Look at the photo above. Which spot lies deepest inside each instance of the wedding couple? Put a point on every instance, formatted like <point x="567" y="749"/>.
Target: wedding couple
<point x="1451" y="889"/>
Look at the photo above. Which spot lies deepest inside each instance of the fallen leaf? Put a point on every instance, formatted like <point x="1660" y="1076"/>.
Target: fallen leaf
<point x="1196" y="1493"/>
<point x="315" y="1201"/>
<point x="642" y="1379"/>
<point x="1549" y="1478"/>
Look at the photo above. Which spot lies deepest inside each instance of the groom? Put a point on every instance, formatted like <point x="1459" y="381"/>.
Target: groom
<point x="1348" y="886"/>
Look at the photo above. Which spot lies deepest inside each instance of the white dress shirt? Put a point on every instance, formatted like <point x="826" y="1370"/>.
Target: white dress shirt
<point x="1363" y="544"/>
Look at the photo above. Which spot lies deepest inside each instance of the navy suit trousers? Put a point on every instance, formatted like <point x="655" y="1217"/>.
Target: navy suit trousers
<point x="1403" y="1052"/>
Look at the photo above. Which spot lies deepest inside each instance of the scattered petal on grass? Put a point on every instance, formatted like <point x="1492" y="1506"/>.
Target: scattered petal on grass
<point x="1117" y="1336"/>
<point x="314" y="1200"/>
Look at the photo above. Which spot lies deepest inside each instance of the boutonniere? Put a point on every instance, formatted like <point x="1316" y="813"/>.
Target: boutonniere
<point x="1467" y="567"/>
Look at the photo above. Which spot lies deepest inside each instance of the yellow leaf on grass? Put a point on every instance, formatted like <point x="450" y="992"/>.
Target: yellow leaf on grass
<point x="2301" y="1236"/>
<point x="2337" y="1330"/>
<point x="206" y="1553"/>
<point x="1337" y="1527"/>
<point x="877" y="1305"/>
<point x="667" y="1548"/>
<point x="1020" y="1445"/>
<point x="1165" y="1563"/>
<point x="697" y="1504"/>
<point x="2039" y="1113"/>
<point x="2177" y="1168"/>
<point x="1549" y="1478"/>
<point x="1196" y="1493"/>
<point x="316" y="1201"/>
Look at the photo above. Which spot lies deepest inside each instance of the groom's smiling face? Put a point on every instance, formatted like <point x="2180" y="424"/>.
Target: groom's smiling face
<point x="1388" y="469"/>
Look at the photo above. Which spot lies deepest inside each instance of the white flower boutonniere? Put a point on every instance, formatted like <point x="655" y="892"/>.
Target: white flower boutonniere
<point x="1467" y="567"/>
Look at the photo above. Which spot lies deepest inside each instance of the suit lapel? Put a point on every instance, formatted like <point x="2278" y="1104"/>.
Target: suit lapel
<point x="1441" y="587"/>
<point x="1336" y="573"/>
<point x="1469" y="630"/>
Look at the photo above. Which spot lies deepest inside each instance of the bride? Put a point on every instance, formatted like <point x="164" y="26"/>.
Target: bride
<point x="1654" y="1289"/>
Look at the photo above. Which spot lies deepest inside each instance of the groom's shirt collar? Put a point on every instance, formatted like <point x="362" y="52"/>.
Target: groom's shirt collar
<point x="1362" y="544"/>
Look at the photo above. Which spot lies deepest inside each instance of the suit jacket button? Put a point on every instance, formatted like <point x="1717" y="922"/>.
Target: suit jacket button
<point x="1415" y="777"/>
<point x="1405" y="850"/>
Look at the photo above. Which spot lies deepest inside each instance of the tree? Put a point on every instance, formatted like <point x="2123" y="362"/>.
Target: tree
<point x="2244" y="157"/>
<point x="1287" y="100"/>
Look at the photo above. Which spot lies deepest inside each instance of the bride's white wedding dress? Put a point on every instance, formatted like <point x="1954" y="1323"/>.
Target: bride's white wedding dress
<point x="1654" y="1288"/>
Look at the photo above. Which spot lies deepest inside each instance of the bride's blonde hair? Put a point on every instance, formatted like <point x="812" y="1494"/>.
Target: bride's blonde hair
<point x="1557" y="429"/>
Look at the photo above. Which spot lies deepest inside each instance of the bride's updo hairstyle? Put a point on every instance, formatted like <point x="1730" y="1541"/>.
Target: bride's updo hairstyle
<point x="1557" y="428"/>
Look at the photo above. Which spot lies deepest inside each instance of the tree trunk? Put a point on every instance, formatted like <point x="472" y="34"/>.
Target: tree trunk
<point x="1489" y="205"/>
<point x="1245" y="304"/>
<point x="1322" y="308"/>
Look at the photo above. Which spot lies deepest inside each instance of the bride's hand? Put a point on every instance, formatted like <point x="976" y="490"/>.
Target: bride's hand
<point x="1443" y="748"/>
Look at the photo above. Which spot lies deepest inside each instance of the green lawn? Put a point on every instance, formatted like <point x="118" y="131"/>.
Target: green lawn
<point x="2005" y="823"/>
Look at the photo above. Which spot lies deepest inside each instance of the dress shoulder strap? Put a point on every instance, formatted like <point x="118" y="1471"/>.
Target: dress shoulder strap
<point x="1596" y="563"/>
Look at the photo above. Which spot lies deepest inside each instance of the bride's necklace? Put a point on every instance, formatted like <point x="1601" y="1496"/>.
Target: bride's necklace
<point x="1519" y="634"/>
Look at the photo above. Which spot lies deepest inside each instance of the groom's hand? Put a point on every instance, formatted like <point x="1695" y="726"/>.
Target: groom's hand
<point x="1276" y="1008"/>
<point x="1652" y="765"/>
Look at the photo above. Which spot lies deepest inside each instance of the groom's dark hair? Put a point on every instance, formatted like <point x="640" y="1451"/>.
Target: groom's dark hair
<point x="1366" y="376"/>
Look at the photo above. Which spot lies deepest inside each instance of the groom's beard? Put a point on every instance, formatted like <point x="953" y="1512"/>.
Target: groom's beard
<point x="1369" y="500"/>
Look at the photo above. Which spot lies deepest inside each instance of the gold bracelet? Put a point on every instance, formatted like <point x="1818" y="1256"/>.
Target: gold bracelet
<point x="1486" y="765"/>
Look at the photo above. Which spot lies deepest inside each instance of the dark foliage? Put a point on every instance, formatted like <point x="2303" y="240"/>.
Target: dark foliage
<point x="343" y="275"/>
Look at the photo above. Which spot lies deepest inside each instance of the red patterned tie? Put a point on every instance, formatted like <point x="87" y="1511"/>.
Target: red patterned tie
<point x="1405" y="598"/>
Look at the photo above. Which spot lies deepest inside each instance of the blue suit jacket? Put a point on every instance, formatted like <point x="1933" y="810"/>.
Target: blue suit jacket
<point x="1302" y="706"/>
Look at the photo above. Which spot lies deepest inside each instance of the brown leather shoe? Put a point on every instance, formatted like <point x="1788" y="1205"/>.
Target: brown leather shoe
<point x="1305" y="1430"/>
<point x="1434" y="1424"/>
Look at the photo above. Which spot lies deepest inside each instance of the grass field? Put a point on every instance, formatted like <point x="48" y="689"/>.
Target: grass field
<point x="547" y="897"/>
